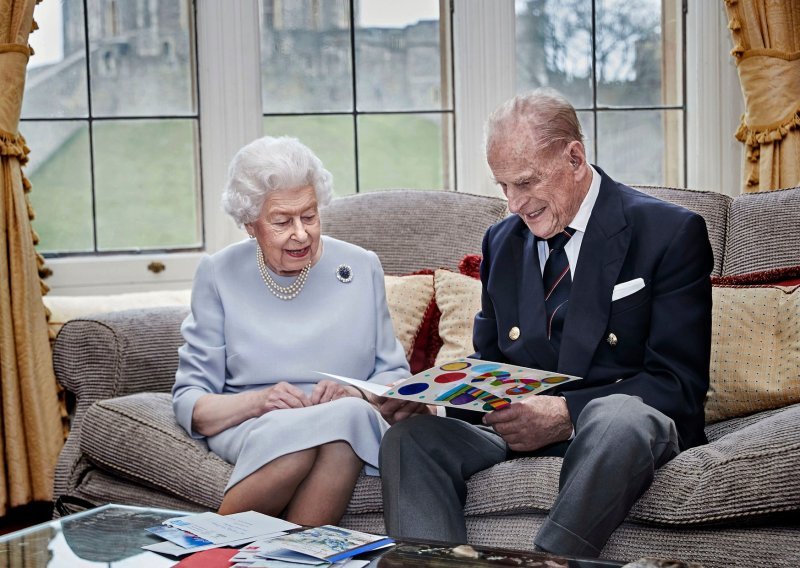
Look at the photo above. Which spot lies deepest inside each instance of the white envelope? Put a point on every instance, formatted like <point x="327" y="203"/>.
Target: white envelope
<point x="624" y="289"/>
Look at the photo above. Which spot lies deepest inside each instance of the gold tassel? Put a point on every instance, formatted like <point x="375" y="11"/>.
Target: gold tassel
<point x="13" y="145"/>
<point x="774" y="133"/>
<point x="735" y="24"/>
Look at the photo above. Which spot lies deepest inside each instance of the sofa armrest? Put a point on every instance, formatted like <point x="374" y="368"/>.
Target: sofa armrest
<point x="109" y="355"/>
<point x="119" y="353"/>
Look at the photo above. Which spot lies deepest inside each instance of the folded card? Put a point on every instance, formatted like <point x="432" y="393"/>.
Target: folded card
<point x="471" y="384"/>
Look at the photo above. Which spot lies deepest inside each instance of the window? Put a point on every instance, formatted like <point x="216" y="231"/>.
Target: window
<point x="115" y="105"/>
<point x="110" y="110"/>
<point x="620" y="64"/>
<point x="366" y="84"/>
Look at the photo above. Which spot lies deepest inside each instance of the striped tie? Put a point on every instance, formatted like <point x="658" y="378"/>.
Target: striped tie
<point x="557" y="281"/>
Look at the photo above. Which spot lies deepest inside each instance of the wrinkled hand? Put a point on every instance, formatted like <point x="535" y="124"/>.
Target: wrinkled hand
<point x="326" y="391"/>
<point x="394" y="409"/>
<point x="281" y="396"/>
<point x="533" y="423"/>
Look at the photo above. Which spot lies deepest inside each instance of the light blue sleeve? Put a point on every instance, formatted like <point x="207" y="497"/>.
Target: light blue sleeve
<point x="390" y="359"/>
<point x="201" y="360"/>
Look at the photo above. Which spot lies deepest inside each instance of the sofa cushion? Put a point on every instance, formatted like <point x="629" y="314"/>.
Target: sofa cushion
<point x="137" y="437"/>
<point x="755" y="350"/>
<point x="746" y="474"/>
<point x="408" y="298"/>
<point x="759" y="232"/>
<point x="459" y="300"/>
<point x="741" y="476"/>
<point x="413" y="229"/>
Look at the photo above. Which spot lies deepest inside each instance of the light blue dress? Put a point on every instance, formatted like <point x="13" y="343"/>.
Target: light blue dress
<point x="239" y="336"/>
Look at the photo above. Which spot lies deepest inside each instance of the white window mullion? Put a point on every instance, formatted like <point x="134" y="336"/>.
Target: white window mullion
<point x="484" y="49"/>
<point x="230" y="101"/>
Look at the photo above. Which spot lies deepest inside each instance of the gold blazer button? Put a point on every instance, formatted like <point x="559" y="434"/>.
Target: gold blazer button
<point x="513" y="333"/>
<point x="611" y="340"/>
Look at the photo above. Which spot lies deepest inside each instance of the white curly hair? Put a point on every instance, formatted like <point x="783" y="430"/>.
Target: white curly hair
<point x="269" y="164"/>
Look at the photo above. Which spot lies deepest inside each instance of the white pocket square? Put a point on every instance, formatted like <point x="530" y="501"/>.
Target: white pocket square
<point x="624" y="289"/>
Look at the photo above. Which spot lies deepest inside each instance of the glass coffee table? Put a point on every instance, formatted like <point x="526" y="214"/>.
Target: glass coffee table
<point x="111" y="535"/>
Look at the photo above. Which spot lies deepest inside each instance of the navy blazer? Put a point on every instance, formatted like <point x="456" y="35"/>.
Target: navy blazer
<point x="663" y="331"/>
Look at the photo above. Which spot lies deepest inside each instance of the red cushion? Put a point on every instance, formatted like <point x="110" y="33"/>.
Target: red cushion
<point x="470" y="265"/>
<point x="428" y="343"/>
<point x="789" y="276"/>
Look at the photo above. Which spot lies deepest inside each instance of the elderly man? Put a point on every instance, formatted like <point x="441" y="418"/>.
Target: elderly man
<point x="590" y="278"/>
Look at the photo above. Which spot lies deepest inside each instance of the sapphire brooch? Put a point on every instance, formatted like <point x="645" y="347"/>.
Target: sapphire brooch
<point x="344" y="273"/>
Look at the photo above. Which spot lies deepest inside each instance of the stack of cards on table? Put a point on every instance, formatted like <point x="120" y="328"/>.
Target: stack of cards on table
<point x="319" y="546"/>
<point x="193" y="533"/>
<point x="272" y="546"/>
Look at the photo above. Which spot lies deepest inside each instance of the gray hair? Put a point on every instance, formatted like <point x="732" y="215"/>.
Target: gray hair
<point x="269" y="164"/>
<point x="549" y="120"/>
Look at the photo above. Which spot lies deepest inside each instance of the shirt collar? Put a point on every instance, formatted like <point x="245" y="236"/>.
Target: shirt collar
<point x="581" y="219"/>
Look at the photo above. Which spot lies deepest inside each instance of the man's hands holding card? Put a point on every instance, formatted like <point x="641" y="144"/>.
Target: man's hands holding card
<point x="394" y="410"/>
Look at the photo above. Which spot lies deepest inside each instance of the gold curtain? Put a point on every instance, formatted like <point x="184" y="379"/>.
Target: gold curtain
<point x="30" y="417"/>
<point x="766" y="48"/>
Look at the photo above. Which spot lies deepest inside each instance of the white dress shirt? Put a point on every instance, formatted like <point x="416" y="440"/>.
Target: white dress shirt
<point x="579" y="223"/>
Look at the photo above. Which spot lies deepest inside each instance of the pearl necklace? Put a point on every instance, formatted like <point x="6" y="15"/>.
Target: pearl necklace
<point x="282" y="292"/>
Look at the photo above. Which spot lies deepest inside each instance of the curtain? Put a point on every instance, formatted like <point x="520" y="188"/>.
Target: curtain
<point x="30" y="417"/>
<point x="766" y="48"/>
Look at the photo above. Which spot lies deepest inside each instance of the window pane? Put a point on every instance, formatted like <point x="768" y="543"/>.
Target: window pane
<point x="146" y="184"/>
<point x="331" y="139"/>
<point x="638" y="52"/>
<point x="408" y="151"/>
<point x="402" y="63"/>
<point x="141" y="57"/>
<point x="55" y="84"/>
<point x="623" y="156"/>
<point x="554" y="47"/>
<point x="306" y="62"/>
<point x="59" y="171"/>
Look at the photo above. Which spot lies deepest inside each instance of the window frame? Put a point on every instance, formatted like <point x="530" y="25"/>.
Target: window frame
<point x="228" y="52"/>
<point x="90" y="119"/>
<point x="447" y="112"/>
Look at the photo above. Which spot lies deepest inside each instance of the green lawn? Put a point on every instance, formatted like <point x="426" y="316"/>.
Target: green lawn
<point x="146" y="175"/>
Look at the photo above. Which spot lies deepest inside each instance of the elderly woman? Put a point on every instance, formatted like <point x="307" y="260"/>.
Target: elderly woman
<point x="268" y="314"/>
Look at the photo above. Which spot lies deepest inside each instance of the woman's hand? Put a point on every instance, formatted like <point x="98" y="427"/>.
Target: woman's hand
<point x="214" y="413"/>
<point x="326" y="391"/>
<point x="281" y="396"/>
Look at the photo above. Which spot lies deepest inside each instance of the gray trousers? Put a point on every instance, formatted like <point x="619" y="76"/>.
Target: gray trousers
<point x="619" y="443"/>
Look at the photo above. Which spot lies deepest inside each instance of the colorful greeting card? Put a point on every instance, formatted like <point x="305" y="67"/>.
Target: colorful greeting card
<point x="471" y="384"/>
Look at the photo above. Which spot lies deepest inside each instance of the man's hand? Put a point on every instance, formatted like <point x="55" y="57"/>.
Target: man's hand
<point x="535" y="422"/>
<point x="281" y="396"/>
<point x="326" y="391"/>
<point x="394" y="409"/>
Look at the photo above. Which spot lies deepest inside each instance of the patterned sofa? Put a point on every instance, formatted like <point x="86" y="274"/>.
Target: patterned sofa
<point x="733" y="502"/>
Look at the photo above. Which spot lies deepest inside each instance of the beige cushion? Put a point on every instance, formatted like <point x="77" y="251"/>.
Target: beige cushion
<point x="459" y="299"/>
<point x="408" y="298"/>
<point x="755" y="350"/>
